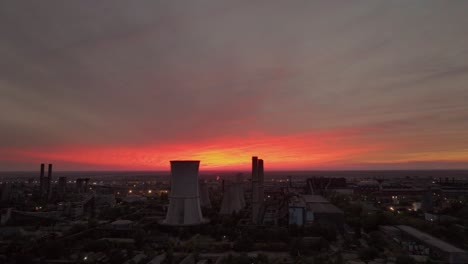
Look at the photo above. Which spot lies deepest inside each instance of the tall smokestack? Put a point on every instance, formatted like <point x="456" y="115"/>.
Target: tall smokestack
<point x="255" y="194"/>
<point x="49" y="181"/>
<point x="261" y="179"/>
<point x="41" y="180"/>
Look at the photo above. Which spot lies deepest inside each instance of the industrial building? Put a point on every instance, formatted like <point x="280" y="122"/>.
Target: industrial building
<point x="419" y="243"/>
<point x="309" y="209"/>
<point x="320" y="185"/>
<point x="184" y="199"/>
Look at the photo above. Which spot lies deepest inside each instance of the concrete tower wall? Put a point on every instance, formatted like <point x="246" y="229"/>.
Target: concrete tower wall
<point x="255" y="195"/>
<point x="232" y="201"/>
<point x="49" y="183"/>
<point x="41" y="181"/>
<point x="204" y="195"/>
<point x="261" y="182"/>
<point x="184" y="201"/>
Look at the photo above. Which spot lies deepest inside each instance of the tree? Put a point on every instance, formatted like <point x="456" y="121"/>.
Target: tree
<point x="97" y="245"/>
<point x="244" y="243"/>
<point x="367" y="254"/>
<point x="53" y="249"/>
<point x="404" y="259"/>
<point x="139" y="237"/>
<point x="92" y="223"/>
<point x="76" y="228"/>
<point x="262" y="259"/>
<point x="376" y="239"/>
<point x="170" y="253"/>
<point x="297" y="247"/>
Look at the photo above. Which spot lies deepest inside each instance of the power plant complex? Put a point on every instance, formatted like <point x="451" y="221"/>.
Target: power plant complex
<point x="221" y="214"/>
<point x="188" y="195"/>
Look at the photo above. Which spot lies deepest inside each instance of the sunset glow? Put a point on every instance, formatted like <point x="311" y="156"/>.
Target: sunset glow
<point x="379" y="85"/>
<point x="321" y="150"/>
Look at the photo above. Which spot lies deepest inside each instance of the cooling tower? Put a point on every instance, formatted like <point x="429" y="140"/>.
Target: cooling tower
<point x="204" y="195"/>
<point x="232" y="201"/>
<point x="240" y="190"/>
<point x="240" y="181"/>
<point x="184" y="202"/>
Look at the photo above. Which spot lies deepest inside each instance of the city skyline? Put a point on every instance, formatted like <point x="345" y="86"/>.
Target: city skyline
<point x="305" y="85"/>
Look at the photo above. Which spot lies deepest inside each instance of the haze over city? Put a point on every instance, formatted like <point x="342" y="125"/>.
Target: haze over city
<point x="308" y="84"/>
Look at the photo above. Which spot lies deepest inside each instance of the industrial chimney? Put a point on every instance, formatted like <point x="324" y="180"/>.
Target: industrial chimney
<point x="41" y="181"/>
<point x="255" y="194"/>
<point x="49" y="183"/>
<point x="184" y="201"/>
<point x="261" y="182"/>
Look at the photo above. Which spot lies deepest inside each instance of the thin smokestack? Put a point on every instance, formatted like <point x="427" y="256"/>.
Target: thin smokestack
<point x="255" y="193"/>
<point x="42" y="169"/>
<point x="261" y="176"/>
<point x="41" y="180"/>
<point x="50" y="171"/>
<point x="254" y="168"/>
<point x="49" y="182"/>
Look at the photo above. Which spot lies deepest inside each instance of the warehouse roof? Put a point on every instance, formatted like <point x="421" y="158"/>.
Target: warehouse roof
<point x="430" y="240"/>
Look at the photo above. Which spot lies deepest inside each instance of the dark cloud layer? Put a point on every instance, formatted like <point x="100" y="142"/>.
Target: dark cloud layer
<point x="133" y="73"/>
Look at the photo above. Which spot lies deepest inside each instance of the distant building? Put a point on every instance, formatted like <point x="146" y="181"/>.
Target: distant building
<point x="82" y="185"/>
<point x="6" y="189"/>
<point x="320" y="185"/>
<point x="62" y="187"/>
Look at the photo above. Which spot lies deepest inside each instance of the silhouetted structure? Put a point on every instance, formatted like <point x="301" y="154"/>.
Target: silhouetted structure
<point x="204" y="195"/>
<point x="48" y="193"/>
<point x="232" y="198"/>
<point x="42" y="183"/>
<point x="82" y="185"/>
<point x="255" y="194"/>
<point x="261" y="183"/>
<point x="320" y="185"/>
<point x="184" y="200"/>
<point x="62" y="187"/>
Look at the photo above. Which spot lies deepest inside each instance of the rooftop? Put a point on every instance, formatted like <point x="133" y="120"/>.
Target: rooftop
<point x="435" y="242"/>
<point x="324" y="208"/>
<point x="314" y="199"/>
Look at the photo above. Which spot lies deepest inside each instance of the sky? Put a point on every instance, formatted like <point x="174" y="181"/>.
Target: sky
<point x="371" y="84"/>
